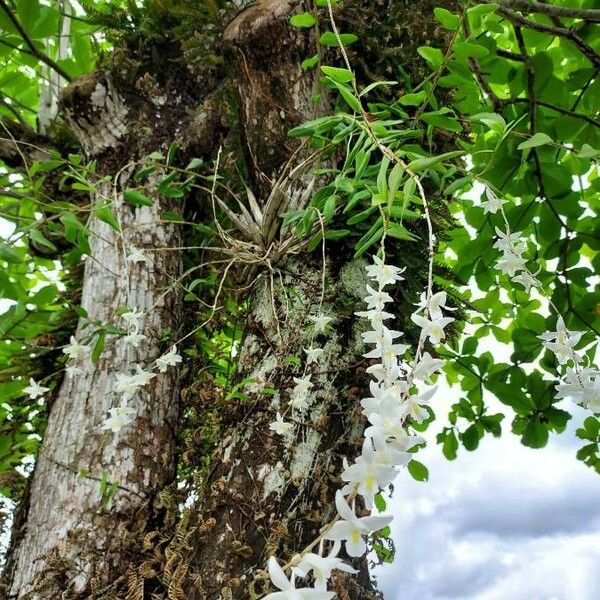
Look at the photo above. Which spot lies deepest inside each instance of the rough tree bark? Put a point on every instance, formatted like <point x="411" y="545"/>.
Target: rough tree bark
<point x="70" y="541"/>
<point x="258" y="498"/>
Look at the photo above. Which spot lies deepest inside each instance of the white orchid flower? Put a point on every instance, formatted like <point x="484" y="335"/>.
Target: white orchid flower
<point x="288" y="589"/>
<point x="352" y="529"/>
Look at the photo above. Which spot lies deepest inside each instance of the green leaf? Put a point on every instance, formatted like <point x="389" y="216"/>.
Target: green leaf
<point x="374" y="85"/>
<point x="450" y="445"/>
<point x="447" y="19"/>
<point x="539" y="139"/>
<point x="339" y="75"/>
<point x="493" y="120"/>
<point x="466" y="50"/>
<point x="329" y="208"/>
<point x="535" y="434"/>
<point x="396" y="230"/>
<point x="420" y="164"/>
<point x="143" y="173"/>
<point x="171" y="153"/>
<point x="470" y="437"/>
<point x="588" y="152"/>
<point x="348" y="96"/>
<point x="304" y="19"/>
<point x="442" y="121"/>
<point x="418" y="470"/>
<point x="482" y="9"/>
<point x="73" y="226"/>
<point x="413" y="99"/>
<point x="309" y="63"/>
<point x="380" y="502"/>
<point x="329" y="39"/>
<point x="433" y="56"/>
<point x="98" y="346"/>
<point x="10" y="254"/>
<point x="136" y="198"/>
<point x="104" y="213"/>
<point x="317" y="126"/>
<point x="37" y="236"/>
<point x="195" y="163"/>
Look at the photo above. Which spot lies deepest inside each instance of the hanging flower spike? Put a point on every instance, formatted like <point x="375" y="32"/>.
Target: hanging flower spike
<point x="413" y="405"/>
<point x="320" y="322"/>
<point x="313" y="354"/>
<point x="74" y="349"/>
<point x="493" y="204"/>
<point x="288" y="589"/>
<point x="352" y="529"/>
<point x="388" y="421"/>
<point x="562" y="342"/>
<point x="170" y="359"/>
<point x="135" y="255"/>
<point x="377" y="299"/>
<point x="377" y="317"/>
<point x="582" y="386"/>
<point x="367" y="474"/>
<point x="72" y="370"/>
<point x="281" y="427"/>
<point x="132" y="316"/>
<point x="527" y="280"/>
<point x="134" y="338"/>
<point x="510" y="264"/>
<point x="382" y="273"/>
<point x="120" y="417"/>
<point x="381" y="392"/>
<point x="386" y="349"/>
<point x="387" y="455"/>
<point x="143" y="377"/>
<point x="35" y="390"/>
<point x="510" y="242"/>
<point x="432" y="328"/>
<point x="426" y="367"/>
<point x="127" y="385"/>
<point x="322" y="566"/>
<point x="300" y="393"/>
<point x="434" y="305"/>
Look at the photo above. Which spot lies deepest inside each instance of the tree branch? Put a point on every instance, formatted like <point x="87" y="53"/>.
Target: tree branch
<point x="510" y="55"/>
<point x="532" y="107"/>
<point x="32" y="47"/>
<point x="563" y="32"/>
<point x="478" y="73"/>
<point x="588" y="14"/>
<point x="558" y="109"/>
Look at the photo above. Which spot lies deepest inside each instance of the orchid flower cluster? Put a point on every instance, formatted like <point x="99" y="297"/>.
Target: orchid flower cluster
<point x="397" y="398"/>
<point x="127" y="384"/>
<point x="580" y="383"/>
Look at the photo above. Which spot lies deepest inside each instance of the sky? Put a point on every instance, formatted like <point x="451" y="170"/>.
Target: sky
<point x="504" y="522"/>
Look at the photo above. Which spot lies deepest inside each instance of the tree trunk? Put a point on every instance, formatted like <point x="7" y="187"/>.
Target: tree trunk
<point x="74" y="537"/>
<point x="258" y="495"/>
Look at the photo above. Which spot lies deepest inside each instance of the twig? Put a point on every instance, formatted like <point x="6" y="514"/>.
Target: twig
<point x="558" y="109"/>
<point x="32" y="47"/>
<point x="510" y="55"/>
<point x="563" y="32"/>
<point x="532" y="107"/>
<point x="479" y="76"/>
<point x="588" y="14"/>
